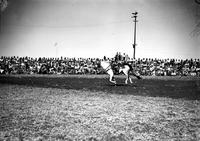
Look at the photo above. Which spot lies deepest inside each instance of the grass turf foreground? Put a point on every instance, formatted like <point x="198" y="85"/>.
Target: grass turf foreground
<point x="56" y="113"/>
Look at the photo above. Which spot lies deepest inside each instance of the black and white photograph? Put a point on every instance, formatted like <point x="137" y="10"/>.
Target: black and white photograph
<point x="100" y="70"/>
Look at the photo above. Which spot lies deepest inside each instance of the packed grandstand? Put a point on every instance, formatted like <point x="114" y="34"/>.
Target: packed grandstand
<point x="64" y="65"/>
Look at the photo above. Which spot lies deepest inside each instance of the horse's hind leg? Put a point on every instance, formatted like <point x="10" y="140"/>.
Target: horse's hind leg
<point x="127" y="78"/>
<point x="126" y="81"/>
<point x="112" y="79"/>
<point x="130" y="79"/>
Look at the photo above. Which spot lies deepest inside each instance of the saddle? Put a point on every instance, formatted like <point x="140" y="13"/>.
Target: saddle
<point x="116" y="65"/>
<point x="124" y="63"/>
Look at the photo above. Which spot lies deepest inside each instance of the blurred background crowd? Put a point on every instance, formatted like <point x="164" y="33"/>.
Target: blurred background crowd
<point x="64" y="65"/>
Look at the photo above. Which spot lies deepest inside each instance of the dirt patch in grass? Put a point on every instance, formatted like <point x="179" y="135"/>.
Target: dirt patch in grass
<point x="31" y="113"/>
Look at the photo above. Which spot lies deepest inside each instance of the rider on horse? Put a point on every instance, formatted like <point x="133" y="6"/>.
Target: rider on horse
<point x="120" y="61"/>
<point x="117" y="65"/>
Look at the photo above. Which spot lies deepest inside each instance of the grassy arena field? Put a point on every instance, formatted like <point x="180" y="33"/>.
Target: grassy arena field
<point x="90" y="108"/>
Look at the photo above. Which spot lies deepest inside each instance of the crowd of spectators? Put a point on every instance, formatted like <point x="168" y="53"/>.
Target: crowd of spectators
<point x="63" y="65"/>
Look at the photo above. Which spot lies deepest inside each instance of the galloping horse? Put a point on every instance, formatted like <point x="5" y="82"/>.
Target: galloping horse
<point x="125" y="68"/>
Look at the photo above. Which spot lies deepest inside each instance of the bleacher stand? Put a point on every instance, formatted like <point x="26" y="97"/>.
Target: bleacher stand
<point x="64" y="65"/>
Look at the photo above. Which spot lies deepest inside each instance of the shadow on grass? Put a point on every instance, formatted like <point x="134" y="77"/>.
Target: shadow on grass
<point x="187" y="89"/>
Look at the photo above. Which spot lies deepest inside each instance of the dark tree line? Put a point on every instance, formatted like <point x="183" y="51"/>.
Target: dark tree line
<point x="3" y="4"/>
<point x="196" y="30"/>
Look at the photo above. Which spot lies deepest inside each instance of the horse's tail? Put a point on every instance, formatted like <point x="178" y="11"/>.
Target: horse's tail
<point x="137" y="76"/>
<point x="133" y="72"/>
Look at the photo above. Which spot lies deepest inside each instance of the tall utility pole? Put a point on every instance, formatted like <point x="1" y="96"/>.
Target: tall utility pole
<point x="134" y="44"/>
